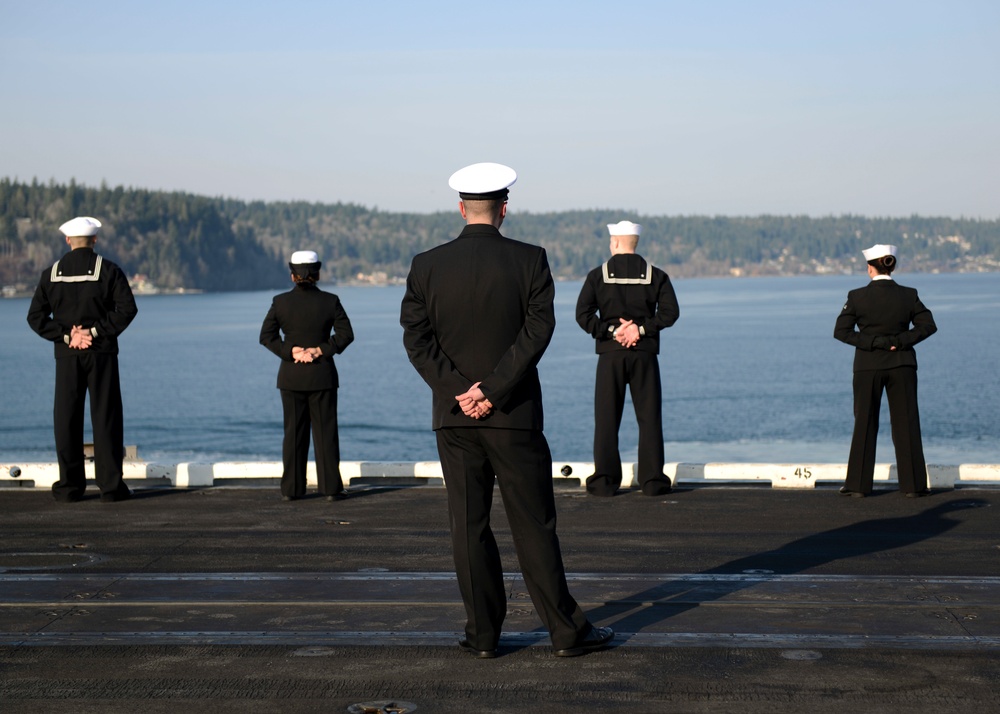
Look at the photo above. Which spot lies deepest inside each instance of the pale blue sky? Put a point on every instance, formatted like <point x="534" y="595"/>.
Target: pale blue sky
<point x="874" y="107"/>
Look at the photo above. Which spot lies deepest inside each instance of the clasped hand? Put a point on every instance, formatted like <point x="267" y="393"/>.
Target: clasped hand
<point x="305" y="355"/>
<point x="474" y="403"/>
<point x="627" y="333"/>
<point x="79" y="338"/>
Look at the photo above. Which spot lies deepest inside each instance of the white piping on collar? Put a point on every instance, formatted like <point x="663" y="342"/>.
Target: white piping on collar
<point x="57" y="277"/>
<point x="644" y="279"/>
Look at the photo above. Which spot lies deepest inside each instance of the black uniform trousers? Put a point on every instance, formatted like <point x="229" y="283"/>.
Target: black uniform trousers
<point x="520" y="462"/>
<point x="96" y="373"/>
<point x="639" y="372"/>
<point x="314" y="410"/>
<point x="900" y="385"/>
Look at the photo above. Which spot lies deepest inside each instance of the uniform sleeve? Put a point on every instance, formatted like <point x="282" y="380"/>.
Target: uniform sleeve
<point x="586" y="313"/>
<point x="421" y="344"/>
<point x="923" y="327"/>
<point x="343" y="333"/>
<point x="667" y="310"/>
<point x="40" y="316"/>
<point x="124" y="308"/>
<point x="531" y="341"/>
<point x="845" y="331"/>
<point x="270" y="335"/>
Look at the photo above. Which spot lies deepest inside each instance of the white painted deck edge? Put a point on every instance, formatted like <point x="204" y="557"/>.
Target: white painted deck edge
<point x="787" y="475"/>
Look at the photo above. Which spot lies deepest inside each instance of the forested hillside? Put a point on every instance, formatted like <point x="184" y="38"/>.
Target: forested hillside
<point x="180" y="240"/>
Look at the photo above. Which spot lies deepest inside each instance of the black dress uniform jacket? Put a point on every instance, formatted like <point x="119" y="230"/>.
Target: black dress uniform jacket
<point x="626" y="287"/>
<point x="308" y="316"/>
<point x="82" y="288"/>
<point x="497" y="336"/>
<point x="886" y="309"/>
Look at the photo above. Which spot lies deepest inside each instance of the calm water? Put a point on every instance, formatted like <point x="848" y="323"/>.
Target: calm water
<point x="750" y="372"/>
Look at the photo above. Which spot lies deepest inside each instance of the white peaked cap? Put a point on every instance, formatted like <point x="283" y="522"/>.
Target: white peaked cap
<point x="80" y="226"/>
<point x="483" y="178"/>
<point x="879" y="251"/>
<point x="624" y="228"/>
<point x="304" y="257"/>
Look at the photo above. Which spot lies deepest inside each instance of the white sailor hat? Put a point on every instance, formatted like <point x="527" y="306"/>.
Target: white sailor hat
<point x="879" y="251"/>
<point x="305" y="263"/>
<point x="624" y="228"/>
<point x="304" y="257"/>
<point x="80" y="226"/>
<point x="483" y="181"/>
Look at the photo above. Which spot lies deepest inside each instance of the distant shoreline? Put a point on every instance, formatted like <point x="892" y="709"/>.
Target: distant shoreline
<point x="23" y="291"/>
<point x="10" y="291"/>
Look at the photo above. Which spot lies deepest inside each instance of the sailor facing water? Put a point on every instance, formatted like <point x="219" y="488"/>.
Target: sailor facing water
<point x="306" y="327"/>
<point x="883" y="321"/>
<point x="477" y="316"/>
<point x="624" y="305"/>
<point x="82" y="303"/>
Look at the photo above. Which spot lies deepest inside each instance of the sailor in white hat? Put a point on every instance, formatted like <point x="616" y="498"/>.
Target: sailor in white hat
<point x="305" y="264"/>
<point x="477" y="316"/>
<point x="306" y="327"/>
<point x="624" y="305"/>
<point x="883" y="321"/>
<point x="82" y="226"/>
<point x="624" y="228"/>
<point x="82" y="303"/>
<point x="878" y="251"/>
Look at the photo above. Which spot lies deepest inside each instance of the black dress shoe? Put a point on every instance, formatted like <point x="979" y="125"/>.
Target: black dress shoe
<point x="602" y="491"/>
<point x="918" y="494"/>
<point x="479" y="654"/>
<point x="340" y="496"/>
<point x="657" y="488"/>
<point x="601" y="486"/>
<point x="116" y="496"/>
<point x="844" y="491"/>
<point x="598" y="638"/>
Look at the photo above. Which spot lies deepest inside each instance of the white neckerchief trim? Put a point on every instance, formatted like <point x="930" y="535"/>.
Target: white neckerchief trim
<point x="55" y="277"/>
<point x="645" y="279"/>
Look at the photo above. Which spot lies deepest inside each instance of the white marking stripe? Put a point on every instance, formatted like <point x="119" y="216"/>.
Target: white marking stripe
<point x="448" y="576"/>
<point x="983" y="588"/>
<point x="520" y="639"/>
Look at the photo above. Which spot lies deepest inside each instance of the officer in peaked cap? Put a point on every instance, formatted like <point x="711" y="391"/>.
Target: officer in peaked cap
<point x="883" y="321"/>
<point x="624" y="305"/>
<point x="82" y="303"/>
<point x="306" y="327"/>
<point x="483" y="182"/>
<point x="477" y="316"/>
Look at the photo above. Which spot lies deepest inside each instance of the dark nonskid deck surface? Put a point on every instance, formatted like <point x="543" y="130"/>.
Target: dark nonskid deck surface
<point x="723" y="599"/>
